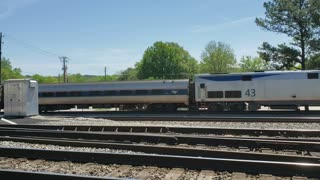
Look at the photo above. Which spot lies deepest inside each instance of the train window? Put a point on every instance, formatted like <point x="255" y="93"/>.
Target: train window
<point x="47" y="94"/>
<point x="95" y="93"/>
<point x="202" y="85"/>
<point x="313" y="76"/>
<point x="85" y="93"/>
<point x="61" y="94"/>
<point x="75" y="94"/>
<point x="125" y="92"/>
<point x="183" y="92"/>
<point x="232" y="94"/>
<point x="215" y="94"/>
<point x="246" y="78"/>
<point x="156" y="92"/>
<point x="142" y="92"/>
<point x="109" y="93"/>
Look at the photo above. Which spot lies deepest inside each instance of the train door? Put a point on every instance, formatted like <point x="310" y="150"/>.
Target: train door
<point x="202" y="92"/>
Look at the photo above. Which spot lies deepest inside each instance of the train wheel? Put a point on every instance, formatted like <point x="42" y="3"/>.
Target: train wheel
<point x="253" y="106"/>
<point x="171" y="107"/>
<point x="237" y="107"/>
<point x="150" y="108"/>
<point x="215" y="108"/>
<point x="161" y="107"/>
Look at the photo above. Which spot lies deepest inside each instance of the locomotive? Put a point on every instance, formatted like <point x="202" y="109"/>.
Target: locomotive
<point x="212" y="92"/>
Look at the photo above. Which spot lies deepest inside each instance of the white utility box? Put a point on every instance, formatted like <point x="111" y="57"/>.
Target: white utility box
<point x="21" y="97"/>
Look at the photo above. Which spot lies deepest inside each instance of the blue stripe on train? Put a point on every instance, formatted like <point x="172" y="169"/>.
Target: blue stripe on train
<point x="172" y="92"/>
<point x="234" y="77"/>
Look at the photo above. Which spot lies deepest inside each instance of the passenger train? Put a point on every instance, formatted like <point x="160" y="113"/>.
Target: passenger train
<point x="212" y="92"/>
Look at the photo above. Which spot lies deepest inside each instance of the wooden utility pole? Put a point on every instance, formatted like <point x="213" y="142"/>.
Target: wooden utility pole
<point x="64" y="68"/>
<point x="105" y="73"/>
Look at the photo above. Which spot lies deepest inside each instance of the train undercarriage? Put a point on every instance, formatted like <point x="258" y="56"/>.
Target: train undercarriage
<point x="163" y="107"/>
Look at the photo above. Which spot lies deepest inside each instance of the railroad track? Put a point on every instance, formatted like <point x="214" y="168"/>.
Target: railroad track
<point x="168" y="129"/>
<point x="261" y="112"/>
<point x="196" y="151"/>
<point x="265" y="116"/>
<point x="137" y="172"/>
<point x="169" y="161"/>
<point x="169" y="143"/>
<point x="312" y="145"/>
<point x="12" y="174"/>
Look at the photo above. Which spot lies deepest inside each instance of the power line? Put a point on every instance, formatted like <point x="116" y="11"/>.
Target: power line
<point x="27" y="45"/>
<point x="29" y="73"/>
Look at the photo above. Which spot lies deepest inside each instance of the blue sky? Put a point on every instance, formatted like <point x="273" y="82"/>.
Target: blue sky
<point x="115" y="33"/>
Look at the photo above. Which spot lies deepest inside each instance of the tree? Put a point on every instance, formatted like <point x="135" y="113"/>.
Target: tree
<point x="314" y="62"/>
<point x="282" y="57"/>
<point x="250" y="64"/>
<point x="128" y="74"/>
<point x="76" y="78"/>
<point x="166" y="60"/>
<point x="50" y="79"/>
<point x="217" y="58"/>
<point x="8" y="72"/>
<point x="40" y="79"/>
<point x="299" y="20"/>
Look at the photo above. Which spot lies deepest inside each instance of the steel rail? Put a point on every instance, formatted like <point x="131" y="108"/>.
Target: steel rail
<point x="142" y="130"/>
<point x="108" y="136"/>
<point x="261" y="112"/>
<point x="145" y="129"/>
<point x="274" y="116"/>
<point x="15" y="174"/>
<point x="168" y="150"/>
<point x="183" y="130"/>
<point x="213" y="119"/>
<point x="252" y="143"/>
<point x="169" y="161"/>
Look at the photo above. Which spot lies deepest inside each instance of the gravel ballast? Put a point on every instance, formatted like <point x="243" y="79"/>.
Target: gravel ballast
<point x="45" y="120"/>
<point x="12" y="144"/>
<point x="93" y="169"/>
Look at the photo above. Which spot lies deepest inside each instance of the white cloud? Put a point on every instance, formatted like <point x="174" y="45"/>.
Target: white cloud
<point x="9" y="7"/>
<point x="228" y="24"/>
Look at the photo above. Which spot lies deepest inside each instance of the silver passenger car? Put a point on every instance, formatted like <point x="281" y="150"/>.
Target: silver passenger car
<point x="115" y="93"/>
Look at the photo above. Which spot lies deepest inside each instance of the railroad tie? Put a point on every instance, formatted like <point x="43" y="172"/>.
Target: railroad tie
<point x="239" y="176"/>
<point x="174" y="174"/>
<point x="145" y="173"/>
<point x="119" y="171"/>
<point x="299" y="178"/>
<point x="266" y="177"/>
<point x="206" y="175"/>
